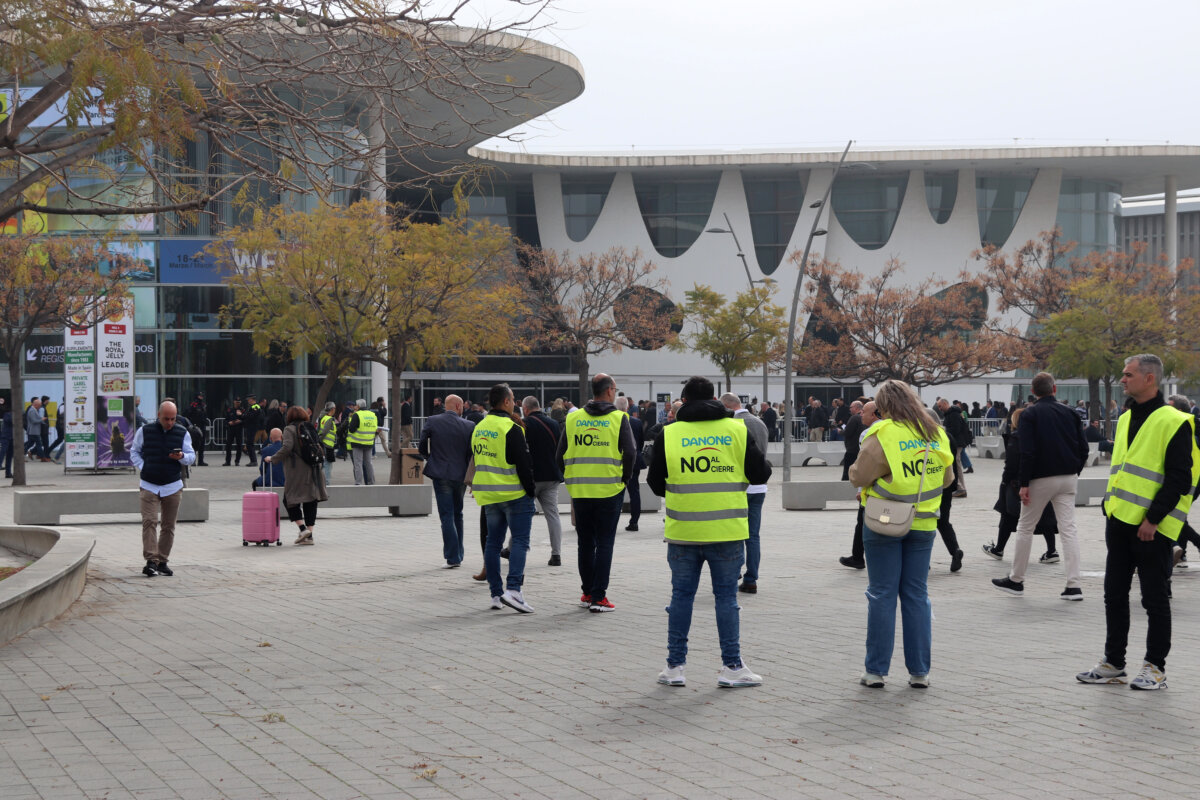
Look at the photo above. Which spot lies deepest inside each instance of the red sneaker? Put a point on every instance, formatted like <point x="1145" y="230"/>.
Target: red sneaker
<point x="585" y="600"/>
<point x="601" y="605"/>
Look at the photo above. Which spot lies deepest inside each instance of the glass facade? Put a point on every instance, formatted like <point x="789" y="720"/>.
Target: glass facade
<point x="583" y="200"/>
<point x="505" y="203"/>
<point x="941" y="190"/>
<point x="1088" y="214"/>
<point x="675" y="210"/>
<point x="867" y="206"/>
<point x="999" y="200"/>
<point x="774" y="206"/>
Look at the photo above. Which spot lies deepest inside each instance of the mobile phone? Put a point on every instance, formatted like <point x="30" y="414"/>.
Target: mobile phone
<point x="178" y="450"/>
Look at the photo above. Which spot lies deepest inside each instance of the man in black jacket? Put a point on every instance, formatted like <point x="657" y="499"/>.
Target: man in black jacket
<point x="634" y="486"/>
<point x="771" y="420"/>
<point x="542" y="435"/>
<point x="1053" y="452"/>
<point x="851" y="434"/>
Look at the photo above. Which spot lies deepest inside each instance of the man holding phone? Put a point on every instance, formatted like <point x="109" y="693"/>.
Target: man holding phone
<point x="159" y="451"/>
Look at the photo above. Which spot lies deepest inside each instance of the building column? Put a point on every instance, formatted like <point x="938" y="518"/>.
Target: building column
<point x="1171" y="221"/>
<point x="377" y="189"/>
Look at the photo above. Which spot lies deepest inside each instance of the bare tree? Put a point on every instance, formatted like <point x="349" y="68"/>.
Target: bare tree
<point x="593" y="303"/>
<point x="122" y="109"/>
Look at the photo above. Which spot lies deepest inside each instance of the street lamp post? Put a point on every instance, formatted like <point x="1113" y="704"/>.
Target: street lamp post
<point x="789" y="401"/>
<point x="746" y="266"/>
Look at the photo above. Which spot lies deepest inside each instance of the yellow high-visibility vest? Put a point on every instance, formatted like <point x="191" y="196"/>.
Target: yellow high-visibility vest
<point x="706" y="481"/>
<point x="1138" y="470"/>
<point x="368" y="423"/>
<point x="905" y="451"/>
<point x="496" y="478"/>
<point x="592" y="461"/>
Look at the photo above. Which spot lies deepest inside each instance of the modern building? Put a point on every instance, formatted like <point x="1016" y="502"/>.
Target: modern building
<point x="930" y="208"/>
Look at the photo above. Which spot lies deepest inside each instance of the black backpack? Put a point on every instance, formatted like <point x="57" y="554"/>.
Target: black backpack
<point x="308" y="445"/>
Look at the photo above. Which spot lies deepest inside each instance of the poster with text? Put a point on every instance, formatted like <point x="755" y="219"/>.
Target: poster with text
<point x="79" y="356"/>
<point x="114" y="354"/>
<point x="115" y="427"/>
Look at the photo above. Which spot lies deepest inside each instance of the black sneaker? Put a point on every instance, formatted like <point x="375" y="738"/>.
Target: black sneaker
<point x="956" y="561"/>
<point x="1007" y="584"/>
<point x="631" y="526"/>
<point x="163" y="569"/>
<point x="1072" y="593"/>
<point x="990" y="549"/>
<point x="748" y="588"/>
<point x="504" y="553"/>
<point x="555" y="561"/>
<point x="1048" y="557"/>
<point x="150" y="570"/>
<point x="852" y="563"/>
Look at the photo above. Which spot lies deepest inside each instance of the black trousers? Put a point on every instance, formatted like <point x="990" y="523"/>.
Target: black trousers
<point x="234" y="435"/>
<point x="635" y="497"/>
<point x="1153" y="562"/>
<point x="306" y="510"/>
<point x="949" y="537"/>
<point x="856" y="549"/>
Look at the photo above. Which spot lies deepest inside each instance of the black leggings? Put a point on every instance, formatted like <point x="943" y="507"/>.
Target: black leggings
<point x="310" y="512"/>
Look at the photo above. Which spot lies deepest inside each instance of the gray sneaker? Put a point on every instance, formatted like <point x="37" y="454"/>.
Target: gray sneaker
<point x="1103" y="672"/>
<point x="1151" y="677"/>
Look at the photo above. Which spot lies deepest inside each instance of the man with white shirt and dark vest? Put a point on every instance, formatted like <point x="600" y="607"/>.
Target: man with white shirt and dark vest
<point x="756" y="494"/>
<point x="596" y="454"/>
<point x="160" y="450"/>
<point x="1155" y="464"/>
<point x="702" y="465"/>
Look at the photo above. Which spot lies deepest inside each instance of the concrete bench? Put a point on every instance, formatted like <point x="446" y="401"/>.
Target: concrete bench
<point x="990" y="446"/>
<point x="49" y="507"/>
<point x="813" y="495"/>
<point x="651" y="503"/>
<point x="831" y="453"/>
<point x="1089" y="489"/>
<point x="403" y="500"/>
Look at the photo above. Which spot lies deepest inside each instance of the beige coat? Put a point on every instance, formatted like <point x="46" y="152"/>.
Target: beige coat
<point x="302" y="483"/>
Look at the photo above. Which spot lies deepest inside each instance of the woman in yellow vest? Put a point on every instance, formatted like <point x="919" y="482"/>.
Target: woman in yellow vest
<point x="896" y="451"/>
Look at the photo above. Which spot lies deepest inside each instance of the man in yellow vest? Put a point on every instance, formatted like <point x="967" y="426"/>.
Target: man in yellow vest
<point x="596" y="454"/>
<point x="503" y="486"/>
<point x="1155" y="465"/>
<point x="702" y="464"/>
<point x="360" y="435"/>
<point x="327" y="433"/>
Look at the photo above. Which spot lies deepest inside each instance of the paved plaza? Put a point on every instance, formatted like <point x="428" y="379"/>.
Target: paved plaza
<point x="359" y="668"/>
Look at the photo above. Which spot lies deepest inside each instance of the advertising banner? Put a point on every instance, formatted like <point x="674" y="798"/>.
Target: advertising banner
<point x="114" y="354"/>
<point x="186" y="261"/>
<point x="115" y="426"/>
<point x="79" y="354"/>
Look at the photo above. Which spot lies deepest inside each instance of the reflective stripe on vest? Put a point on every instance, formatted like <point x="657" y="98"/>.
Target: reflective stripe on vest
<point x="1137" y="470"/>
<point x="330" y="438"/>
<point x="592" y="460"/>
<point x="495" y="477"/>
<point x="367" y="424"/>
<point x="905" y="452"/>
<point x="706" y="481"/>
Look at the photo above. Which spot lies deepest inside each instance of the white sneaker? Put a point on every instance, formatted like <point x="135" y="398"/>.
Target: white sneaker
<point x="1151" y="677"/>
<point x="1103" y="672"/>
<point x="496" y="604"/>
<point x="516" y="600"/>
<point x="918" y="681"/>
<point x="732" y="678"/>
<point x="672" y="676"/>
<point x="872" y="680"/>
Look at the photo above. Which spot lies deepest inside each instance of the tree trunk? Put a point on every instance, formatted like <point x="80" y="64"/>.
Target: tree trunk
<point x="18" y="412"/>
<point x="728" y="383"/>
<point x="395" y="398"/>
<point x="1094" y="399"/>
<point x="585" y="377"/>
<point x="323" y="393"/>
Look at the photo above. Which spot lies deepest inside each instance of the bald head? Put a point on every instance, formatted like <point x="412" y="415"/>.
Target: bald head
<point x="603" y="387"/>
<point x="731" y="401"/>
<point x="276" y="435"/>
<point x="167" y="414"/>
<point x="856" y="407"/>
<point x="454" y="403"/>
<point x="869" y="417"/>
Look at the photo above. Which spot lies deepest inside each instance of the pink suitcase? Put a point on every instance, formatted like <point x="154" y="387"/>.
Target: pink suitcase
<point x="260" y="519"/>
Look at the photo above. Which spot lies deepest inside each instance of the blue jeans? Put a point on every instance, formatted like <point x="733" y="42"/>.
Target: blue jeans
<point x="6" y="455"/>
<point x="33" y="446"/>
<point x="754" y="504"/>
<point x="449" y="497"/>
<point x="516" y="516"/>
<point x="724" y="563"/>
<point x="966" y="459"/>
<point x="596" y="521"/>
<point x="898" y="566"/>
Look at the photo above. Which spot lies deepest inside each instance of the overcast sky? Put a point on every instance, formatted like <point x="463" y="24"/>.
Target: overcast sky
<point x="700" y="74"/>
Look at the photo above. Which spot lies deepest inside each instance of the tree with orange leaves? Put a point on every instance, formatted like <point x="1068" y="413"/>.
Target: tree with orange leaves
<point x="872" y="329"/>
<point x="47" y="283"/>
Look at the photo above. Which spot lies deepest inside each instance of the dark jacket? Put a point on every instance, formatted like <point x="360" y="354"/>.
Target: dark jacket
<point x="542" y="434"/>
<point x="275" y="466"/>
<point x="1009" y="502"/>
<point x="1177" y="464"/>
<point x="639" y="441"/>
<point x="157" y="465"/>
<point x="758" y="471"/>
<point x="625" y="441"/>
<point x="854" y="429"/>
<point x="273" y="419"/>
<point x="770" y="418"/>
<point x="446" y="444"/>
<point x="1051" y="441"/>
<point x="818" y="417"/>
<point x="406" y="415"/>
<point x="956" y="428"/>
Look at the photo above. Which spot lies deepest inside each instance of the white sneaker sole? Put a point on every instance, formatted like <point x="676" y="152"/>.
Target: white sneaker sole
<point x="1148" y="687"/>
<point x="1083" y="678"/>
<point x="524" y="608"/>
<point x="666" y="682"/>
<point x="738" y="684"/>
